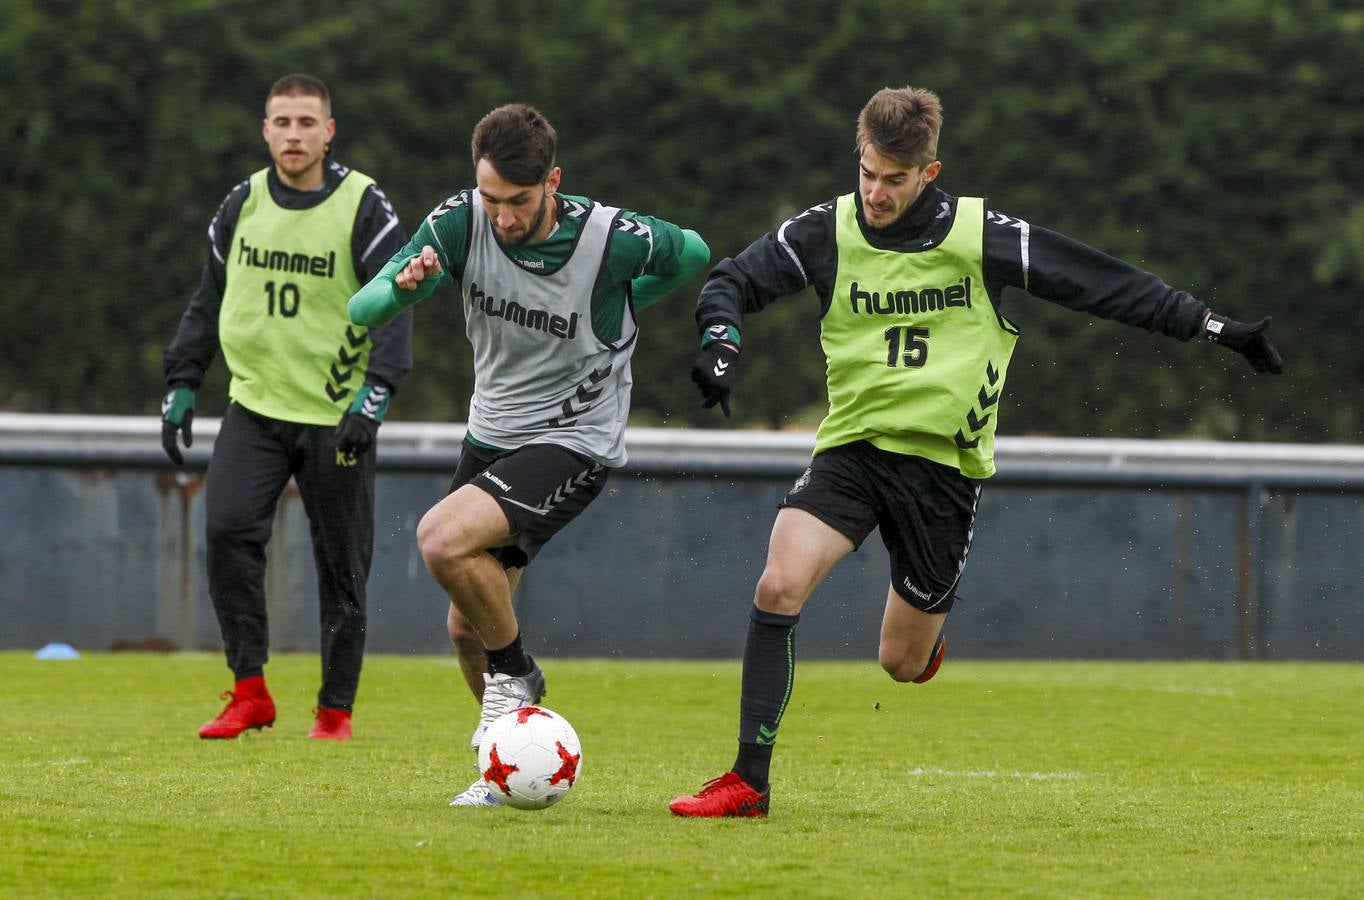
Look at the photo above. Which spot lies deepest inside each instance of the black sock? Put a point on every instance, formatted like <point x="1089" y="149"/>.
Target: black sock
<point x="510" y="660"/>
<point x="769" y="673"/>
<point x="752" y="765"/>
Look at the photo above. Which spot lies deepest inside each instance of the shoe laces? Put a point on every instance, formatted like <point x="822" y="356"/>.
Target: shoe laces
<point x="725" y="783"/>
<point x="477" y="794"/>
<point x="502" y="695"/>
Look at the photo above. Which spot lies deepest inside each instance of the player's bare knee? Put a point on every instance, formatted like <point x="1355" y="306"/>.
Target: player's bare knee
<point x="777" y="594"/>
<point x="900" y="665"/>
<point x="901" y="673"/>
<point x="438" y="541"/>
<point x="429" y="542"/>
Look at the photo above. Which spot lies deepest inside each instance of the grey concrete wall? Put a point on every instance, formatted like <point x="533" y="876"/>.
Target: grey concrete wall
<point x="1158" y="555"/>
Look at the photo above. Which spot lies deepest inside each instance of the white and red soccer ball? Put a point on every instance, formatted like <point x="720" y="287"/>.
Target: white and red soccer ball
<point x="530" y="757"/>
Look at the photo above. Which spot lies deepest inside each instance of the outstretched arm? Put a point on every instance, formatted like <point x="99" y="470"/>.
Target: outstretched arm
<point x="1058" y="268"/>
<point x="378" y="236"/>
<point x="407" y="279"/>
<point x="419" y="267"/>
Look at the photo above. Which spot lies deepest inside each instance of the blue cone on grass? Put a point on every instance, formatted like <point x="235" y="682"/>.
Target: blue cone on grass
<point x="57" y="651"/>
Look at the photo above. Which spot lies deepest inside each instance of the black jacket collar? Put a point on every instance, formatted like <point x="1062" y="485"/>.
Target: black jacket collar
<point x="923" y="224"/>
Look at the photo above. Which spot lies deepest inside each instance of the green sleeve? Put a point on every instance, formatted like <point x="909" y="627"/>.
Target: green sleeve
<point x="380" y="301"/>
<point x="649" y="289"/>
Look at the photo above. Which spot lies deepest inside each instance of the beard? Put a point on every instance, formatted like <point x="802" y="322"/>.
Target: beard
<point x="532" y="228"/>
<point x="295" y="164"/>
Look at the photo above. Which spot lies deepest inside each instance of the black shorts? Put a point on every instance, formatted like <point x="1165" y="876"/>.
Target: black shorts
<point x="540" y="487"/>
<point x="926" y="512"/>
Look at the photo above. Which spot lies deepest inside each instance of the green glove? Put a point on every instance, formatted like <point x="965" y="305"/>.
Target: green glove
<point x="177" y="414"/>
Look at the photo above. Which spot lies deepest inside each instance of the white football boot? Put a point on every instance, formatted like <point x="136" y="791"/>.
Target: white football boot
<point x="477" y="794"/>
<point x="502" y="693"/>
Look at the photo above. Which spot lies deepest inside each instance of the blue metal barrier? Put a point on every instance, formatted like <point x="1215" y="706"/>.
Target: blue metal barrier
<point x="1083" y="548"/>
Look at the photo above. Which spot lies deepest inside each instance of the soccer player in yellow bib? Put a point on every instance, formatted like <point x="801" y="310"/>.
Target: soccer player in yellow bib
<point x="910" y="280"/>
<point x="287" y="248"/>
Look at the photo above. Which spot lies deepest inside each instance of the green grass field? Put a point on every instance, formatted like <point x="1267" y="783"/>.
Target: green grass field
<point x="997" y="779"/>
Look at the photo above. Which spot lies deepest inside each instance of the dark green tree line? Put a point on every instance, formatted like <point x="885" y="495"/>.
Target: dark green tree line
<point x="1219" y="145"/>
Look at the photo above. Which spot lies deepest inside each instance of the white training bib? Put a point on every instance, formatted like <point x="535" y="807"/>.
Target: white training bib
<point x="541" y="373"/>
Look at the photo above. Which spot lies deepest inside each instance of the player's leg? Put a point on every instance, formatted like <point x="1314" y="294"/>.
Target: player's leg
<point x="927" y="517"/>
<point x="498" y="520"/>
<point x="468" y="647"/>
<point x="483" y="481"/>
<point x="912" y="642"/>
<point x="801" y="552"/>
<point x="540" y="489"/>
<point x="824" y="517"/>
<point x="454" y="538"/>
<point x="338" y="496"/>
<point x="246" y="474"/>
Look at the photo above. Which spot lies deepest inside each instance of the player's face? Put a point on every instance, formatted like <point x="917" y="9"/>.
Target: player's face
<point x="298" y="130"/>
<point x="519" y="214"/>
<point x="889" y="187"/>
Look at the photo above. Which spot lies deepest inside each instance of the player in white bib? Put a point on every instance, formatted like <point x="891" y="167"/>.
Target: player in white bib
<point x="550" y="284"/>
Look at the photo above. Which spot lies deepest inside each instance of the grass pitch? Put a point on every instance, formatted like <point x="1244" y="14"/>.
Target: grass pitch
<point x="997" y="779"/>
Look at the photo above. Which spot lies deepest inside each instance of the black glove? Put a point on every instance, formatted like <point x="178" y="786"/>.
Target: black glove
<point x="360" y="425"/>
<point x="177" y="414"/>
<point x="1247" y="339"/>
<point x="713" y="373"/>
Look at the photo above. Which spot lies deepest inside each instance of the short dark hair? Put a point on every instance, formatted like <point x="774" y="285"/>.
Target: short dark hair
<point x="299" y="84"/>
<point x="518" y="141"/>
<point x="902" y="124"/>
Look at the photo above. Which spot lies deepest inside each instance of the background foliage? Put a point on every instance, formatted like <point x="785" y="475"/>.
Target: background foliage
<point x="1219" y="145"/>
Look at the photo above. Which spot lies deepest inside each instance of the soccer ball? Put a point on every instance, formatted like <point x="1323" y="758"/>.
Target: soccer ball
<point x="530" y="757"/>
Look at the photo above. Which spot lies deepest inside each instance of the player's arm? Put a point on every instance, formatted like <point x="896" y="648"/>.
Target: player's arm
<point x="647" y="260"/>
<point x="195" y="345"/>
<point x="411" y="276"/>
<point x="797" y="254"/>
<point x="192" y="350"/>
<point x="672" y="256"/>
<point x="1065" y="271"/>
<point x="377" y="236"/>
<point x="435" y="254"/>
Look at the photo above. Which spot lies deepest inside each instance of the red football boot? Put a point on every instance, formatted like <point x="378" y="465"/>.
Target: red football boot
<point x="331" y="724"/>
<point x="934" y="660"/>
<point x="728" y="795"/>
<point x="248" y="706"/>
